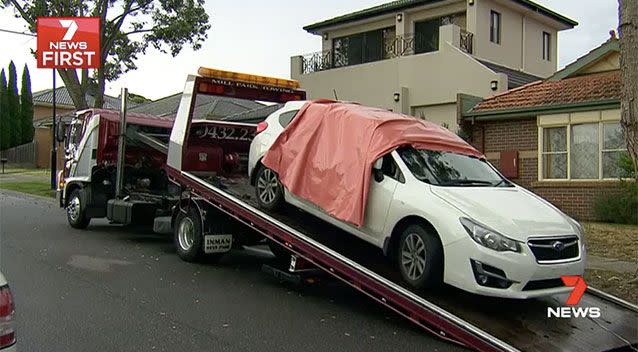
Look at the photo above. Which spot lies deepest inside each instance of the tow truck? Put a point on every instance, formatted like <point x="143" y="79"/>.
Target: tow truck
<point x="189" y="177"/>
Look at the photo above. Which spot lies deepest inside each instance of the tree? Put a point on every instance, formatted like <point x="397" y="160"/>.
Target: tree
<point x="4" y="119"/>
<point x="628" y="25"/>
<point x="13" y="107"/>
<point x="167" y="25"/>
<point x="26" y="107"/>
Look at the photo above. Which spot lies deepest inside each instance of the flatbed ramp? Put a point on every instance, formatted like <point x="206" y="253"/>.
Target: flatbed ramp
<point x="477" y="322"/>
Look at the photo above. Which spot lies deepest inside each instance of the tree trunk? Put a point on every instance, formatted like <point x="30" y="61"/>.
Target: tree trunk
<point x="74" y="87"/>
<point x="99" y="94"/>
<point x="628" y="20"/>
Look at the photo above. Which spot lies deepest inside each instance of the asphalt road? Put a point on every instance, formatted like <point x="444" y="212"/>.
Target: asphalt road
<point x="110" y="288"/>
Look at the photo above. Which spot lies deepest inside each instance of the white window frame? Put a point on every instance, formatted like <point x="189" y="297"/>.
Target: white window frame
<point x="568" y="126"/>
<point x="543" y="153"/>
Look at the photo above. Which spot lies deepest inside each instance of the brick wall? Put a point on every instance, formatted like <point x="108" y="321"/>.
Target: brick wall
<point x="574" y="198"/>
<point x="43" y="137"/>
<point x="506" y="135"/>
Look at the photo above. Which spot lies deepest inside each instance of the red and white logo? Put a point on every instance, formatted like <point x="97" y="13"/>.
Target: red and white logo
<point x="68" y="42"/>
<point x="579" y="285"/>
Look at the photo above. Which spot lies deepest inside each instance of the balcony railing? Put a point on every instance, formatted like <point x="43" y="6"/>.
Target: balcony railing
<point x="466" y="42"/>
<point x="393" y="47"/>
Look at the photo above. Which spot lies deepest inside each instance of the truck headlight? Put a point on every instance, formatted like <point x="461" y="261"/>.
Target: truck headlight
<point x="489" y="238"/>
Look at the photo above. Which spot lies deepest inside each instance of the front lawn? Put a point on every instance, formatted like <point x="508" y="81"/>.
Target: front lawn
<point x="612" y="241"/>
<point x="38" y="188"/>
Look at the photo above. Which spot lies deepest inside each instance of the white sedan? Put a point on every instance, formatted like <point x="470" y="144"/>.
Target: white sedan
<point x="446" y="217"/>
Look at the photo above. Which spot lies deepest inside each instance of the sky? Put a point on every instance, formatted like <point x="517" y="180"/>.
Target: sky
<point x="259" y="37"/>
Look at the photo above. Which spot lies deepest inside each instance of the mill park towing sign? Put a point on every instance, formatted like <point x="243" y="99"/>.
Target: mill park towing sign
<point x="68" y="42"/>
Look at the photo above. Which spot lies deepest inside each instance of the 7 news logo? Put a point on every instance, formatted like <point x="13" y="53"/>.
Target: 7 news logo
<point x="68" y="42"/>
<point x="579" y="285"/>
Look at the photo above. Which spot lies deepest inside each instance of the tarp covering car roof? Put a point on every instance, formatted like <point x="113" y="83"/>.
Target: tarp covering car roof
<point x="326" y="154"/>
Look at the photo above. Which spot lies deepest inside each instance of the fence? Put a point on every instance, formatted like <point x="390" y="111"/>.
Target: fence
<point x="22" y="154"/>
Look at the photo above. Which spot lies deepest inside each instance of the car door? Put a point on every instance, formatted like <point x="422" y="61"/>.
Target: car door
<point x="380" y="196"/>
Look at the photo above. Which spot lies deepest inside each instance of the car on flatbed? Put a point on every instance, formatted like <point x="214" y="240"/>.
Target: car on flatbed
<point x="444" y="217"/>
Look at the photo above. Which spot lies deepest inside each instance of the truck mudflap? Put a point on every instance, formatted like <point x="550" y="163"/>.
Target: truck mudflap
<point x="476" y="322"/>
<point x="217" y="243"/>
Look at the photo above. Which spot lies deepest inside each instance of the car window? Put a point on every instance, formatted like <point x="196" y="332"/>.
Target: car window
<point x="450" y="169"/>
<point x="389" y="168"/>
<point x="286" y="117"/>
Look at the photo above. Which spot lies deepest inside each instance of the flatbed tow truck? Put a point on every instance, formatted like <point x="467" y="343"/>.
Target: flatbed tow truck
<point x="213" y="212"/>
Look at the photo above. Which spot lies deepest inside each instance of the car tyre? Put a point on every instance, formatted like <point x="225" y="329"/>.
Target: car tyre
<point x="76" y="210"/>
<point x="420" y="257"/>
<point x="268" y="189"/>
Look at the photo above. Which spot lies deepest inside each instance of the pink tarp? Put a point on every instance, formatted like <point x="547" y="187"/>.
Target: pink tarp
<point x="326" y="154"/>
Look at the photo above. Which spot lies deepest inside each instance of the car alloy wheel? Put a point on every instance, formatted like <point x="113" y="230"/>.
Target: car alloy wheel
<point x="413" y="256"/>
<point x="268" y="185"/>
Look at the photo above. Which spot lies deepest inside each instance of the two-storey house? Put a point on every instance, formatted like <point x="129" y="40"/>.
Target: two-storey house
<point x="415" y="56"/>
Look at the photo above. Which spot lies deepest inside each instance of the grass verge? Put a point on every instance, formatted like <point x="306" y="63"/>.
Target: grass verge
<point x="617" y="284"/>
<point x="38" y="188"/>
<point x="612" y="241"/>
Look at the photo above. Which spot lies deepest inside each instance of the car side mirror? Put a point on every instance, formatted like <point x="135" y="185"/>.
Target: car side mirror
<point x="377" y="172"/>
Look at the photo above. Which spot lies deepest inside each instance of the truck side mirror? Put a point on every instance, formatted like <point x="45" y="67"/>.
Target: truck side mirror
<point x="60" y="134"/>
<point x="377" y="171"/>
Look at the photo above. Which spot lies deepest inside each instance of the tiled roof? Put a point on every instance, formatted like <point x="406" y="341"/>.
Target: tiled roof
<point x="399" y="5"/>
<point x="596" y="87"/>
<point x="255" y="115"/>
<point x="206" y="106"/>
<point x="62" y="97"/>
<point x="515" y="78"/>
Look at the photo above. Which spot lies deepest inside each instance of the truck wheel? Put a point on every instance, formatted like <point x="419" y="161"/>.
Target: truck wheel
<point x="420" y="257"/>
<point x="280" y="252"/>
<point x="76" y="211"/>
<point x="188" y="235"/>
<point x="269" y="191"/>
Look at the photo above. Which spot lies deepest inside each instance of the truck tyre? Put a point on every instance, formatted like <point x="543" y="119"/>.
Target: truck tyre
<point x="269" y="191"/>
<point x="282" y="255"/>
<point x="188" y="235"/>
<point x="420" y="257"/>
<point x="76" y="211"/>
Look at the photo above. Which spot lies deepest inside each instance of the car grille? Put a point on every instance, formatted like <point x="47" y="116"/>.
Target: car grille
<point x="556" y="249"/>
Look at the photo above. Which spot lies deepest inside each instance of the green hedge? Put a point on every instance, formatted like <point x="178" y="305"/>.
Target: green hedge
<point x="622" y="207"/>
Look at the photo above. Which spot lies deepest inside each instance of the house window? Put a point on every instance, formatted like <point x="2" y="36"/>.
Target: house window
<point x="426" y="33"/>
<point x="359" y="48"/>
<point x="586" y="151"/>
<point x="555" y="153"/>
<point x="546" y="46"/>
<point x="495" y="27"/>
<point x="426" y="36"/>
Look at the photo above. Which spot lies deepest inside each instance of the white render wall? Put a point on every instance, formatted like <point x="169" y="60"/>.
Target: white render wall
<point x="421" y="80"/>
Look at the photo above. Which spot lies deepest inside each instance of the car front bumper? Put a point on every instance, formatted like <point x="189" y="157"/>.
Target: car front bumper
<point x="520" y="269"/>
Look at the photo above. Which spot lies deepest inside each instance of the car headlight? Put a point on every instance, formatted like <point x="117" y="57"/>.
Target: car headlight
<point x="578" y="228"/>
<point x="489" y="238"/>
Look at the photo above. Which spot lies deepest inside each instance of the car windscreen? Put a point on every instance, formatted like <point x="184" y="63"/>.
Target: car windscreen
<point x="450" y="169"/>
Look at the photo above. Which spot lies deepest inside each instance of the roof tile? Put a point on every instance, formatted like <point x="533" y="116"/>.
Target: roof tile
<point x="588" y="88"/>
